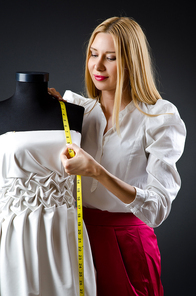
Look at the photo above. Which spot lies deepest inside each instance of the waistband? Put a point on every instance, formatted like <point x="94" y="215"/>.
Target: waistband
<point x="105" y="218"/>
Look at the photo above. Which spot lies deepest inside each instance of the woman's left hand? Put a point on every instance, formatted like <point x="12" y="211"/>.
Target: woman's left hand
<point x="81" y="164"/>
<point x="53" y="92"/>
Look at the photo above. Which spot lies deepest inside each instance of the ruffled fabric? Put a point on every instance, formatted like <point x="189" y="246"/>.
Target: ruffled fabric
<point x="20" y="194"/>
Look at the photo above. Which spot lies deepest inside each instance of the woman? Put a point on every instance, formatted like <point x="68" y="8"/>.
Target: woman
<point x="131" y="141"/>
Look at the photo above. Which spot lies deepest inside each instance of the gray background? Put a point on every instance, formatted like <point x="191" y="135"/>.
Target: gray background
<point x="51" y="36"/>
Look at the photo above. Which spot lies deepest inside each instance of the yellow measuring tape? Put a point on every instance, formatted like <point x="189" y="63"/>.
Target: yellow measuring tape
<point x="79" y="203"/>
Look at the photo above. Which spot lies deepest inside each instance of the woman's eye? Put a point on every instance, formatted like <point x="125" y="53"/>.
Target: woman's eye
<point x="111" y="58"/>
<point x="93" y="54"/>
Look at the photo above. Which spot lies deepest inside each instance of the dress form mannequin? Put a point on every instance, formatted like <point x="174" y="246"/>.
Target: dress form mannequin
<point x="32" y="108"/>
<point x="38" y="219"/>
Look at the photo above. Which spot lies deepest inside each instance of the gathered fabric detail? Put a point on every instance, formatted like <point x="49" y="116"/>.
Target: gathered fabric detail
<point x="17" y="194"/>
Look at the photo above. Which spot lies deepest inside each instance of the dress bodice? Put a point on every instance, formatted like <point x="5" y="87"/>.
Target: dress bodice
<point x="31" y="172"/>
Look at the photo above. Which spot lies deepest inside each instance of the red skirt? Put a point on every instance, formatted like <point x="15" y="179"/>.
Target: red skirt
<point x="125" y="253"/>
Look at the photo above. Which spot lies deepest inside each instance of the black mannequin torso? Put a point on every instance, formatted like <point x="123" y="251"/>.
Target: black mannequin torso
<point x="32" y="108"/>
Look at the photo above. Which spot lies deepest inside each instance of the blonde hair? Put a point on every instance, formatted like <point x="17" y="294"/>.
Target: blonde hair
<point x="132" y="54"/>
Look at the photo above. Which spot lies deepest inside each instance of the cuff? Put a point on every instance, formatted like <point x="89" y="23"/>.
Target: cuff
<point x="138" y="201"/>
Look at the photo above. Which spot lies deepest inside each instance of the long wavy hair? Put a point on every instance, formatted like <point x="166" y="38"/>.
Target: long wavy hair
<point x="133" y="57"/>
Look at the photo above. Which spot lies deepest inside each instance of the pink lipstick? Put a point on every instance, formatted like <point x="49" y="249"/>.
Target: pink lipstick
<point x="100" y="78"/>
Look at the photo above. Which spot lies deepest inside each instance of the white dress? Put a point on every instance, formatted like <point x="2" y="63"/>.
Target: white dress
<point x="38" y="221"/>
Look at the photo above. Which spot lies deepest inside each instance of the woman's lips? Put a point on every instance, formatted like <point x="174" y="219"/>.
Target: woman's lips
<point x="100" y="78"/>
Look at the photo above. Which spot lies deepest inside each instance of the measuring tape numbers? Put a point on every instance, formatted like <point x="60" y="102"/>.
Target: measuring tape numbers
<point x="79" y="203"/>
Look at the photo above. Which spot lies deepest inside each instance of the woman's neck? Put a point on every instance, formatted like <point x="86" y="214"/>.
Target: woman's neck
<point x="107" y="101"/>
<point x="107" y="105"/>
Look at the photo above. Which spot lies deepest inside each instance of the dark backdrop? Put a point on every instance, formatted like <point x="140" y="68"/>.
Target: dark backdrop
<point x="51" y="36"/>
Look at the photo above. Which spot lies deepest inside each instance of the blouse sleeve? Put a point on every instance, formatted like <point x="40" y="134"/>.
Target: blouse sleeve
<point x="165" y="137"/>
<point x="72" y="97"/>
<point x="77" y="99"/>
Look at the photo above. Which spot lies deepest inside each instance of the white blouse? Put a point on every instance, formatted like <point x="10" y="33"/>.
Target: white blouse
<point x="144" y="156"/>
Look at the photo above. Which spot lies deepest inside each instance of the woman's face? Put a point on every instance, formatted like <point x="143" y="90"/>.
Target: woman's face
<point x="102" y="64"/>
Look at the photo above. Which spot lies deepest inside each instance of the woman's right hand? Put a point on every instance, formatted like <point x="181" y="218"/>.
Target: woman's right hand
<point x="53" y="92"/>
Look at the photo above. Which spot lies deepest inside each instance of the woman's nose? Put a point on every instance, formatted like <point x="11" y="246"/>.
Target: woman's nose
<point x="99" y="65"/>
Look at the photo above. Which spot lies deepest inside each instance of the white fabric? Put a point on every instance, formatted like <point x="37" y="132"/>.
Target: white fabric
<point x="38" y="220"/>
<point x="144" y="156"/>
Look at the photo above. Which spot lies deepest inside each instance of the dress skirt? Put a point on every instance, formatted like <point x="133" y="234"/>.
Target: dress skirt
<point x="38" y="254"/>
<point x="125" y="253"/>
